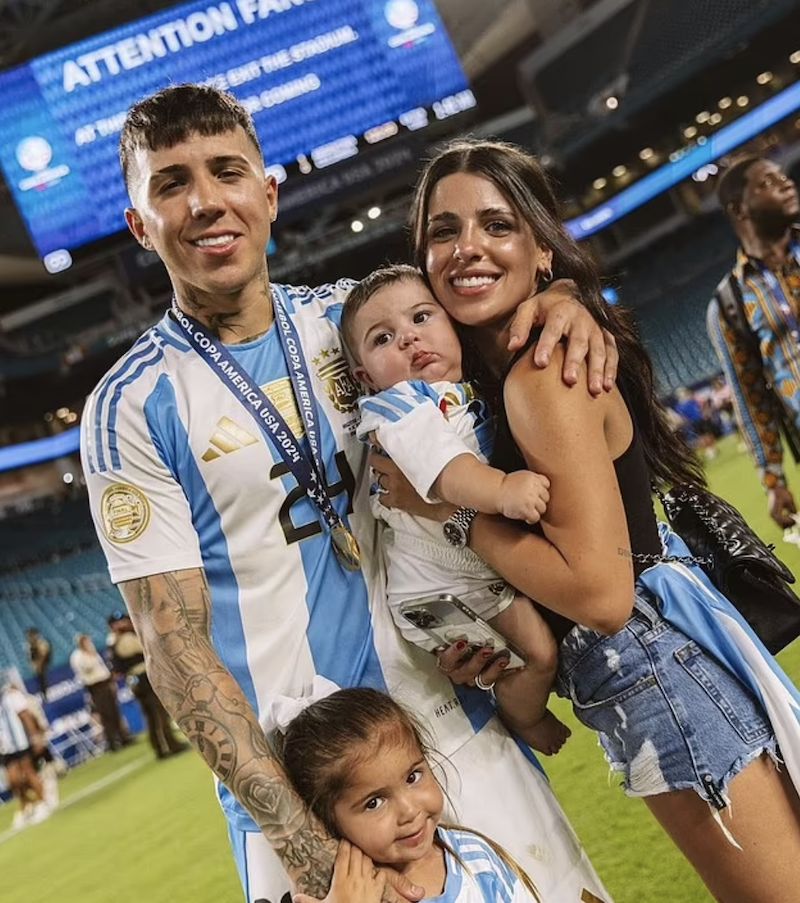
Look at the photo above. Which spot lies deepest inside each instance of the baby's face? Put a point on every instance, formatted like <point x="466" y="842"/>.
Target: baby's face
<point x="402" y="333"/>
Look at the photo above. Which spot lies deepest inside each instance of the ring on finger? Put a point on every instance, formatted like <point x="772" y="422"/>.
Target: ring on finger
<point x="442" y="668"/>
<point x="482" y="686"/>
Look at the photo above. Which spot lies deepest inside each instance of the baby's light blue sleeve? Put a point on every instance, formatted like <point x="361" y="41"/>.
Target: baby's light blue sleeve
<point x="411" y="428"/>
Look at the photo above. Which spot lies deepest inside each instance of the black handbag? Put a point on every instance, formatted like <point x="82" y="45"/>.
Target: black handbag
<point x="738" y="563"/>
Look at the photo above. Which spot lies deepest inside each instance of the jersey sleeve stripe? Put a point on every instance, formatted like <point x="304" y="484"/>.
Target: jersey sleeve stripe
<point x="140" y="349"/>
<point x="111" y="429"/>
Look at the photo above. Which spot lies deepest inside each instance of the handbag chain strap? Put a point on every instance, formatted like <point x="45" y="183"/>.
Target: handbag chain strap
<point x="649" y="558"/>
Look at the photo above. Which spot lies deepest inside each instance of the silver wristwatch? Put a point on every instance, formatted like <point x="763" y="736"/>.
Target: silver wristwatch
<point x="456" y="527"/>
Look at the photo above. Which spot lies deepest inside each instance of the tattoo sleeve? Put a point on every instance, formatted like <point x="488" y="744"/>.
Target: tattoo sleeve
<point x="172" y="616"/>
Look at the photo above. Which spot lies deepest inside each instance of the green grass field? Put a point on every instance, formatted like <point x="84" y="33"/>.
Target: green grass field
<point x="133" y="830"/>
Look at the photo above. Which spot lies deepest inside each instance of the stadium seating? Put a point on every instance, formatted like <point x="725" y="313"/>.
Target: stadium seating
<point x="669" y="287"/>
<point x="53" y="577"/>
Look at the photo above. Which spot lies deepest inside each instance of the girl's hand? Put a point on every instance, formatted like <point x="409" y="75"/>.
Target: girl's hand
<point x="557" y="309"/>
<point x="356" y="880"/>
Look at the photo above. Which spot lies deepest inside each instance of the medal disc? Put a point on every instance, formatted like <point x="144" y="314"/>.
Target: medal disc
<point x="345" y="545"/>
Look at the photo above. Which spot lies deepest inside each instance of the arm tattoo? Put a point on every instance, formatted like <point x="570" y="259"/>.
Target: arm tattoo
<point x="172" y="615"/>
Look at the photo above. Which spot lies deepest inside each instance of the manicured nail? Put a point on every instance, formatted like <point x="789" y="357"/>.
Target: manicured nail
<point x="461" y="645"/>
<point x="485" y="653"/>
<point x="503" y="662"/>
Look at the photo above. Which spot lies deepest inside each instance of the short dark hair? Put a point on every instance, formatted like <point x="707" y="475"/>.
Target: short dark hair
<point x="730" y="188"/>
<point x="369" y="286"/>
<point x="168" y="117"/>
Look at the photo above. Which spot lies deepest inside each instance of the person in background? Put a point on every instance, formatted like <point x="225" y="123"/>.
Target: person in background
<point x="39" y="653"/>
<point x="20" y="741"/>
<point x="91" y="670"/>
<point x="127" y="658"/>
<point x="698" y="428"/>
<point x="754" y="319"/>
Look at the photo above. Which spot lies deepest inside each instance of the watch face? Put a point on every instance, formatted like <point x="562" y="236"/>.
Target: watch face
<point x="454" y="534"/>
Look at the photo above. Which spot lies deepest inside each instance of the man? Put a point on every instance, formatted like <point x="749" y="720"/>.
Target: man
<point x="39" y="653"/>
<point x="127" y="658"/>
<point x="754" y="319"/>
<point x="91" y="670"/>
<point x="239" y="530"/>
<point x="20" y="741"/>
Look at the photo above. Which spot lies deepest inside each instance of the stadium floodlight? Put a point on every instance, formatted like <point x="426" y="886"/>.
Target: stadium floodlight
<point x="725" y="102"/>
<point x="702" y="116"/>
<point x="619" y="171"/>
<point x="688" y="160"/>
<point x="742" y="101"/>
<point x="646" y="153"/>
<point x="374" y="212"/>
<point x="690" y="131"/>
<point x="612" y="102"/>
<point x="715" y="119"/>
<point x="357" y="225"/>
<point x="599" y="184"/>
<point x="764" y="78"/>
<point x="795" y="58"/>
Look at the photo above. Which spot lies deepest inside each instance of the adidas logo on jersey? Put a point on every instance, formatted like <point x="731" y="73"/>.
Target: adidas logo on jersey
<point x="228" y="437"/>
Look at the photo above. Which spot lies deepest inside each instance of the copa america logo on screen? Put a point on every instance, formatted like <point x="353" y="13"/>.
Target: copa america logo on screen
<point x="34" y="154"/>
<point x="404" y="16"/>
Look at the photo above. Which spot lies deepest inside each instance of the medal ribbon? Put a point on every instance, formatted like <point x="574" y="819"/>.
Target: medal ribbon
<point x="270" y="421"/>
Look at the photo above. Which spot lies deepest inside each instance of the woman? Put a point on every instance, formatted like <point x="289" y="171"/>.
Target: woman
<point x="688" y="737"/>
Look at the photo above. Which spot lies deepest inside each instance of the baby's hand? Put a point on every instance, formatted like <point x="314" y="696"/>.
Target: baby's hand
<point x="524" y="496"/>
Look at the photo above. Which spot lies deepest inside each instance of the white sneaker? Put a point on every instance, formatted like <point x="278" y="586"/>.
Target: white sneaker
<point x="39" y="812"/>
<point x="21" y="818"/>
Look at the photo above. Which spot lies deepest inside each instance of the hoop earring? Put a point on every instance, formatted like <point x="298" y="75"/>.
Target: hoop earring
<point x="546" y="274"/>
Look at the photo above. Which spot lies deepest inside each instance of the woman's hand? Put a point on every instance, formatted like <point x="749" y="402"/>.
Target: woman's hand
<point x="462" y="664"/>
<point x="356" y="880"/>
<point x="397" y="492"/>
<point x="558" y="311"/>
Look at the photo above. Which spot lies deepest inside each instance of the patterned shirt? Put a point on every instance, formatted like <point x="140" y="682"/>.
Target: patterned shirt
<point x="772" y="306"/>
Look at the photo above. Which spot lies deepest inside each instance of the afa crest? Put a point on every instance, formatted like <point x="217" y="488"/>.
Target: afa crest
<point x="340" y="387"/>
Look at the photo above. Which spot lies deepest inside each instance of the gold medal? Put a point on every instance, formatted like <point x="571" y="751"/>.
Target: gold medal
<point x="345" y="545"/>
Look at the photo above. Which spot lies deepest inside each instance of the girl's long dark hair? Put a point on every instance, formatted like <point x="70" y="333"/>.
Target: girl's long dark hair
<point x="525" y="185"/>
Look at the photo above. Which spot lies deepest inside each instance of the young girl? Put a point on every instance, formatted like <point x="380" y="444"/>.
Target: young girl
<point x="405" y="349"/>
<point x="360" y="763"/>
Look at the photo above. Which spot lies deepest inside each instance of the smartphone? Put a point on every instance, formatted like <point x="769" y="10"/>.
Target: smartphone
<point x="445" y="619"/>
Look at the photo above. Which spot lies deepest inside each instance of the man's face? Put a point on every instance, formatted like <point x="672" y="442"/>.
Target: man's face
<point x="205" y="206"/>
<point x="770" y="196"/>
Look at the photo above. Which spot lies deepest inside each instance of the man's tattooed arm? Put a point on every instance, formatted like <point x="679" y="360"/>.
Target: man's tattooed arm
<point x="172" y="616"/>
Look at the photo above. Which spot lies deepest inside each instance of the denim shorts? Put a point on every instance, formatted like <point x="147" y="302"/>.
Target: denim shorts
<point x="669" y="717"/>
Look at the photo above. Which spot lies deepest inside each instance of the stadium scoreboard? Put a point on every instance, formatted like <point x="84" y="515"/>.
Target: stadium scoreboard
<point x="323" y="79"/>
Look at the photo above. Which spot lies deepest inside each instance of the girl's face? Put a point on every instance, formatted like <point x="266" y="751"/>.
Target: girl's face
<point x="392" y="806"/>
<point x="403" y="333"/>
<point x="482" y="258"/>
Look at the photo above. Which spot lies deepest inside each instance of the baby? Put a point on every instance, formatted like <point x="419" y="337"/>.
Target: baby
<point x="405" y="349"/>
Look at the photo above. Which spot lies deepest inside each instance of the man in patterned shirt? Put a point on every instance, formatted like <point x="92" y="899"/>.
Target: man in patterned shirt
<point x="754" y="319"/>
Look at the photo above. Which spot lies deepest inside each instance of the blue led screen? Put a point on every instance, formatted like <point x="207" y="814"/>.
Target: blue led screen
<point x="319" y="76"/>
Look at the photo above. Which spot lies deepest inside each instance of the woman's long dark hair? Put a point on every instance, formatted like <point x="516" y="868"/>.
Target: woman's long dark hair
<point x="520" y="178"/>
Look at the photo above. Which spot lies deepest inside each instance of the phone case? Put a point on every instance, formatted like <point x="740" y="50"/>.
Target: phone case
<point x="446" y="620"/>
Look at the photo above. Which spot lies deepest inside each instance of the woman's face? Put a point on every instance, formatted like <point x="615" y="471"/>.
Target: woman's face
<point x="482" y="258"/>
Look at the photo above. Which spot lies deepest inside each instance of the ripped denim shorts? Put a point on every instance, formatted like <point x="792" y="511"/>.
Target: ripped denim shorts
<point x="669" y="717"/>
